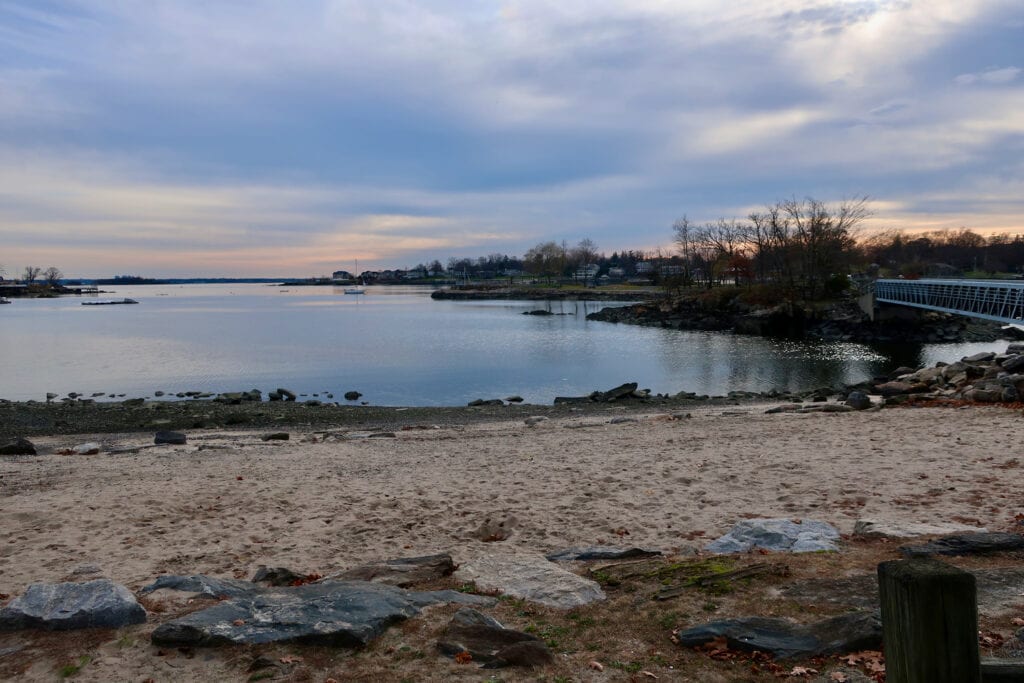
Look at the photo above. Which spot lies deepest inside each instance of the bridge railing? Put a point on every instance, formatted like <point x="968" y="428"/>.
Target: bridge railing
<point x="997" y="300"/>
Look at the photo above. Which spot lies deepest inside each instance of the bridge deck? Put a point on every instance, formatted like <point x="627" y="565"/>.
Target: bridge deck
<point x="999" y="300"/>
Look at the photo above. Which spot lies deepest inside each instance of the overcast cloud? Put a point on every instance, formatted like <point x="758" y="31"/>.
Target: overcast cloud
<point x="255" y="137"/>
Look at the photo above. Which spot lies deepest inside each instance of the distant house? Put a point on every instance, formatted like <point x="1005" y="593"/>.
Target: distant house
<point x="644" y="267"/>
<point x="616" y="273"/>
<point x="587" y="272"/>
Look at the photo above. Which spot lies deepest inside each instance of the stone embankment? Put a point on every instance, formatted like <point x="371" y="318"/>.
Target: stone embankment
<point x="839" y="322"/>
<point x="982" y="378"/>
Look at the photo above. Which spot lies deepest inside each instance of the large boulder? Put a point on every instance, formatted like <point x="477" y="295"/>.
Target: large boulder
<point x="899" y="387"/>
<point x="338" y="613"/>
<point x="66" y="606"/>
<point x="778" y="535"/>
<point x="165" y="437"/>
<point x="622" y="391"/>
<point x="601" y="553"/>
<point x="19" y="446"/>
<point x="529" y="576"/>
<point x="787" y="640"/>
<point x="983" y="357"/>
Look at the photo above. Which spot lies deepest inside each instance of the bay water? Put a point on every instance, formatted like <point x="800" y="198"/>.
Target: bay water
<point x="396" y="346"/>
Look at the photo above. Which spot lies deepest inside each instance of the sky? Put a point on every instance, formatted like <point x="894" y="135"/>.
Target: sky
<point x="267" y="138"/>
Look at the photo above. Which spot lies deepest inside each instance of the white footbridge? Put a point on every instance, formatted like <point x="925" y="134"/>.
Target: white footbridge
<point x="998" y="300"/>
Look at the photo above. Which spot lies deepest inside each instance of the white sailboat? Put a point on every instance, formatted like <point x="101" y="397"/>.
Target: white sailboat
<point x="358" y="288"/>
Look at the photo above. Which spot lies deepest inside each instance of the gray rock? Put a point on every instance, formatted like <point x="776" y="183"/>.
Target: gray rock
<point x="286" y="394"/>
<point x="899" y="388"/>
<point x="352" y="395"/>
<point x="133" y="402"/>
<point x="534" y="420"/>
<point x="487" y="641"/>
<point x="778" y="535"/>
<point x="1014" y="363"/>
<point x="485" y="402"/>
<point x="858" y="400"/>
<point x="529" y="576"/>
<point x="207" y="586"/>
<point x="402" y="572"/>
<point x="600" y="553"/>
<point x="826" y="408"/>
<point x="977" y="543"/>
<point x="784" y="408"/>
<point x="65" y="606"/>
<point x="277" y="576"/>
<point x="50" y="396"/>
<point x="983" y="395"/>
<point x="514" y="399"/>
<point x="276" y="436"/>
<point x="559" y="400"/>
<point x="622" y="391"/>
<point x="982" y="357"/>
<point x="787" y="640"/>
<point x="622" y="420"/>
<point x="176" y="438"/>
<point x="90" y="448"/>
<point x="337" y="613"/>
<point x="19" y="446"/>
<point x="873" y="528"/>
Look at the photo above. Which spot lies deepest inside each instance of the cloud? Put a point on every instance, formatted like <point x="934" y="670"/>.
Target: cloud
<point x="989" y="77"/>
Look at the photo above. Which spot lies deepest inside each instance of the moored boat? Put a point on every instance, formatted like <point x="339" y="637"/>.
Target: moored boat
<point x="110" y="303"/>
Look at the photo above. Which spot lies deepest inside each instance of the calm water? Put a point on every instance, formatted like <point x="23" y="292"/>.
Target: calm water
<point x="394" y="344"/>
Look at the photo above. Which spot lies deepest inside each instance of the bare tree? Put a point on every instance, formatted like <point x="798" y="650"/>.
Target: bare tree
<point x="547" y="259"/>
<point x="30" y="274"/>
<point x="584" y="254"/>
<point x="52" y="275"/>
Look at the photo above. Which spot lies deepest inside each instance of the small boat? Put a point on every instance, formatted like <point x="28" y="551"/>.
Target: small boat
<point x="109" y="303"/>
<point x="358" y="287"/>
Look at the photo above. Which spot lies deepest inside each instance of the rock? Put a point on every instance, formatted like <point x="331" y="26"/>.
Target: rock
<point x="534" y="420"/>
<point x="1009" y="394"/>
<point x="826" y="408"/>
<point x="176" y="438"/>
<point x="207" y="586"/>
<point x="898" y="388"/>
<point x="514" y="399"/>
<point x="276" y="436"/>
<point x="90" y="448"/>
<point x="495" y="528"/>
<point x="158" y="393"/>
<point x="338" y="613"/>
<point x="274" y="396"/>
<point x="65" y="606"/>
<point x="858" y="400"/>
<point x="402" y="572"/>
<point x="983" y="395"/>
<point x="529" y="576"/>
<point x="50" y="396"/>
<point x="487" y="641"/>
<point x="622" y="420"/>
<point x="1013" y="364"/>
<point x="977" y="543"/>
<point x="133" y="402"/>
<point x="485" y="402"/>
<point x="539" y="311"/>
<point x="286" y="394"/>
<point x="787" y="640"/>
<point x="313" y="403"/>
<point x="277" y="576"/>
<point x="20" y="446"/>
<point x="983" y="357"/>
<point x="352" y="395"/>
<point x="600" y="553"/>
<point x="784" y="408"/>
<point x="622" y="391"/>
<point x="778" y="535"/>
<point x="559" y="400"/>
<point x="871" y="528"/>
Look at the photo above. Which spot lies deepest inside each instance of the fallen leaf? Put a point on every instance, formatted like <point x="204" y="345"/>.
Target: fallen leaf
<point x="463" y="658"/>
<point x="290" y="659"/>
<point x="596" y="665"/>
<point x="239" y="622"/>
<point x="838" y="677"/>
<point x="1017" y="621"/>
<point x="648" y="674"/>
<point x="802" y="671"/>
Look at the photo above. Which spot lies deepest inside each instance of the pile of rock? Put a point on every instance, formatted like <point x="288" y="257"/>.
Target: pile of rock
<point x="982" y="378"/>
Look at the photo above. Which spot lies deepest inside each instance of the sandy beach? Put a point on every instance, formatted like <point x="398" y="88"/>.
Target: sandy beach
<point x="227" y="501"/>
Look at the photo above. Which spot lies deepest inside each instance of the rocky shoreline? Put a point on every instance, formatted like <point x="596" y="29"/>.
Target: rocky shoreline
<point x="841" y="321"/>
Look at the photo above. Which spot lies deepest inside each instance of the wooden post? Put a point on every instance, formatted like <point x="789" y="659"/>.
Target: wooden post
<point x="929" y="622"/>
